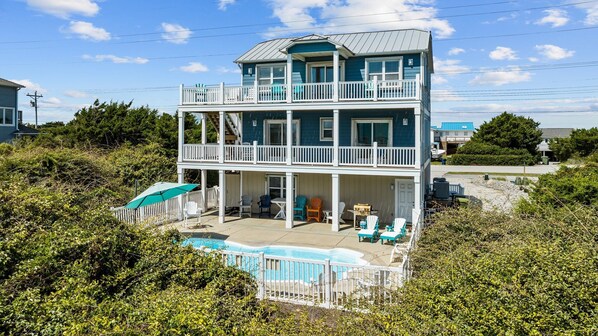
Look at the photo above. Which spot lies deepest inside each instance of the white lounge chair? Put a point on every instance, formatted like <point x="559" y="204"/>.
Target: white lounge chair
<point x="191" y="210"/>
<point x="371" y="230"/>
<point x="328" y="213"/>
<point x="395" y="231"/>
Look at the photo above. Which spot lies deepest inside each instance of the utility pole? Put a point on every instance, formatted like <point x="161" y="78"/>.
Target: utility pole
<point x="34" y="96"/>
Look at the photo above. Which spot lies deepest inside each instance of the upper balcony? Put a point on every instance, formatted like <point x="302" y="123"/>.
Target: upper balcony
<point x="356" y="91"/>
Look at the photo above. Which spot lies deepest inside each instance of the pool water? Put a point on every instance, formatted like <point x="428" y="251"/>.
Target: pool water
<point x="285" y="270"/>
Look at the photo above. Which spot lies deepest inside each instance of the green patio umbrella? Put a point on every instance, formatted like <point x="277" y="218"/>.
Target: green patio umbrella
<point x="159" y="192"/>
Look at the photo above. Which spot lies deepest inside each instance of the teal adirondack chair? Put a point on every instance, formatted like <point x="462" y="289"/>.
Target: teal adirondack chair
<point x="299" y="209"/>
<point x="371" y="230"/>
<point x="397" y="230"/>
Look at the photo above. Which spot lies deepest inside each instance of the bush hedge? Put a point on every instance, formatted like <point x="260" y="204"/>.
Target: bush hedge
<point x="474" y="147"/>
<point x="490" y="160"/>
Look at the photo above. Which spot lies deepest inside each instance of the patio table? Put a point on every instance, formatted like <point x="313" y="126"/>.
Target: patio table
<point x="281" y="203"/>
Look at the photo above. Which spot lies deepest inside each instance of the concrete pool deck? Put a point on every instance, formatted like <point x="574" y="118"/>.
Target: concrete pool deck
<point x="265" y="231"/>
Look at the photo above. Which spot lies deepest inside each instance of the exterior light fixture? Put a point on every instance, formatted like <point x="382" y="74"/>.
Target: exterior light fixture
<point x="405" y="121"/>
<point x="254" y="123"/>
<point x="410" y="62"/>
<point x="392" y="186"/>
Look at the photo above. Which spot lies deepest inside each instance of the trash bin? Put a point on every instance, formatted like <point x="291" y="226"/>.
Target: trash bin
<point x="443" y="160"/>
<point x="544" y="160"/>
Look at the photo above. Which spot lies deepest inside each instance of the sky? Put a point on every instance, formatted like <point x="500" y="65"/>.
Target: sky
<point x="530" y="57"/>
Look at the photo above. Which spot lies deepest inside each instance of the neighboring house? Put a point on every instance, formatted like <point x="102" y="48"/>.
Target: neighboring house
<point x="342" y="117"/>
<point x="452" y="135"/>
<point x="549" y="134"/>
<point x="9" y="100"/>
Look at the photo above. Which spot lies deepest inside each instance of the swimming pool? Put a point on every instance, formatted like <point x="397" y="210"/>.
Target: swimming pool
<point x="285" y="270"/>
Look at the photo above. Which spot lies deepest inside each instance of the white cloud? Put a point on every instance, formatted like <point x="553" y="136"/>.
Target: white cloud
<point x="503" y="53"/>
<point x="501" y="77"/>
<point x="76" y="94"/>
<point x="447" y="95"/>
<point x="87" y="31"/>
<point x="456" y="51"/>
<point x="449" y="67"/>
<point x="554" y="17"/>
<point x="29" y="85"/>
<point x="533" y="59"/>
<point x="223" y="4"/>
<point x="325" y="16"/>
<point x="591" y="9"/>
<point x="554" y="52"/>
<point x="224" y="70"/>
<point x="50" y="102"/>
<point x="194" y="67"/>
<point x="65" y="8"/>
<point x="438" y="80"/>
<point x="116" y="59"/>
<point x="175" y="33"/>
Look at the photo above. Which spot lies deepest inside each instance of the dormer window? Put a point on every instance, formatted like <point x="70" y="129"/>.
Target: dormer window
<point x="271" y="74"/>
<point x="384" y="69"/>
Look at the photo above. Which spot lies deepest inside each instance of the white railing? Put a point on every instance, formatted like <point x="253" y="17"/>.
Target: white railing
<point x="314" y="155"/>
<point x="167" y="211"/>
<point x="304" y="155"/>
<point x="416" y="228"/>
<point x="319" y="283"/>
<point x="312" y="92"/>
<point x="454" y="189"/>
<point x="407" y="89"/>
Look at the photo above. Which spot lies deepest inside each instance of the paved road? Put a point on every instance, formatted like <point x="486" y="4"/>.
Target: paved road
<point x="438" y="170"/>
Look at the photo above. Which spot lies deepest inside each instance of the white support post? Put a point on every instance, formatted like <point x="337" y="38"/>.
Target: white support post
<point x="181" y="119"/>
<point x="335" y="137"/>
<point x="327" y="283"/>
<point x="221" y="196"/>
<point x="241" y="191"/>
<point x="204" y="187"/>
<point x="255" y="92"/>
<point x="375" y="88"/>
<point x="221" y="136"/>
<point x="180" y="179"/>
<point x="375" y="153"/>
<point x="418" y="86"/>
<point x="222" y="93"/>
<point x="290" y="198"/>
<point x="204" y="129"/>
<point x="418" y="132"/>
<point x="254" y="152"/>
<point x="417" y="189"/>
<point x="335" y="201"/>
<point x="289" y="78"/>
<point x="335" y="76"/>
<point x="261" y="284"/>
<point x="289" y="137"/>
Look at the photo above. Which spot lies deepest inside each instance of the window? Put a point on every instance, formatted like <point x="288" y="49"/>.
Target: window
<point x="366" y="132"/>
<point x="326" y="133"/>
<point x="7" y="116"/>
<point x="384" y="69"/>
<point x="276" y="132"/>
<point x="277" y="186"/>
<point x="271" y="74"/>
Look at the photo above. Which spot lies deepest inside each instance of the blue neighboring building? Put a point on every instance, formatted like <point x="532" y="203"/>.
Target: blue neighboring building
<point x="9" y="100"/>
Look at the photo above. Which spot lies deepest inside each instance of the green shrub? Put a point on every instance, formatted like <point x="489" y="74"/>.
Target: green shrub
<point x="474" y="147"/>
<point x="490" y="160"/>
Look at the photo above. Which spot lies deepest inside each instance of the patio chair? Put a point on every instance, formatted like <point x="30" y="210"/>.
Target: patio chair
<point x="328" y="213"/>
<point x="371" y="230"/>
<point x="299" y="209"/>
<point x="314" y="209"/>
<point x="191" y="210"/>
<point x="265" y="203"/>
<point x="245" y="205"/>
<point x="398" y="229"/>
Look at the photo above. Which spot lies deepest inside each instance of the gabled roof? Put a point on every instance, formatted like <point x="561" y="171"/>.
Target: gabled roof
<point x="26" y="130"/>
<point x="551" y="133"/>
<point x="4" y="82"/>
<point x="365" y="43"/>
<point x="457" y="126"/>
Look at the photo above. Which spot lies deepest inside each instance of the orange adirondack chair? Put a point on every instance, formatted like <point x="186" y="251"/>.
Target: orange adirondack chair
<point x="314" y="209"/>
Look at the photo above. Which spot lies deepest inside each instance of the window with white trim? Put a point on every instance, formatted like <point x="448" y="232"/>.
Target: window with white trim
<point x="277" y="186"/>
<point x="367" y="131"/>
<point x="384" y="69"/>
<point x="271" y="74"/>
<point x="275" y="132"/>
<point x="7" y="116"/>
<point x="326" y="132"/>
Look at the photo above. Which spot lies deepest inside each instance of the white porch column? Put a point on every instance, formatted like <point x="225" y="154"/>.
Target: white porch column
<point x="181" y="179"/>
<point x="335" y="76"/>
<point x="417" y="189"/>
<point x="289" y="137"/>
<point x="289" y="78"/>
<point x="204" y="187"/>
<point x="240" y="187"/>
<point x="335" y="200"/>
<point x="181" y="119"/>
<point x="290" y="197"/>
<point x="221" y="136"/>
<point x="221" y="196"/>
<point x="418" y="137"/>
<point x="335" y="135"/>
<point x="204" y="129"/>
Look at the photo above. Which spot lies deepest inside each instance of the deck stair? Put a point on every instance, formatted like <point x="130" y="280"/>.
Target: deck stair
<point x="232" y="129"/>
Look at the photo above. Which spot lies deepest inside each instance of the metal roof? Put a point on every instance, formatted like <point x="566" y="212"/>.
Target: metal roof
<point x="366" y="43"/>
<point x="4" y="82"/>
<point x="457" y="126"/>
<point x="551" y="133"/>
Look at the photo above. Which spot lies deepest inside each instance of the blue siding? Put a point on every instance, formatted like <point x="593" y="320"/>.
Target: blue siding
<point x="409" y="72"/>
<point x="355" y="69"/>
<point x="403" y="136"/>
<point x="312" y="47"/>
<point x="8" y="98"/>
